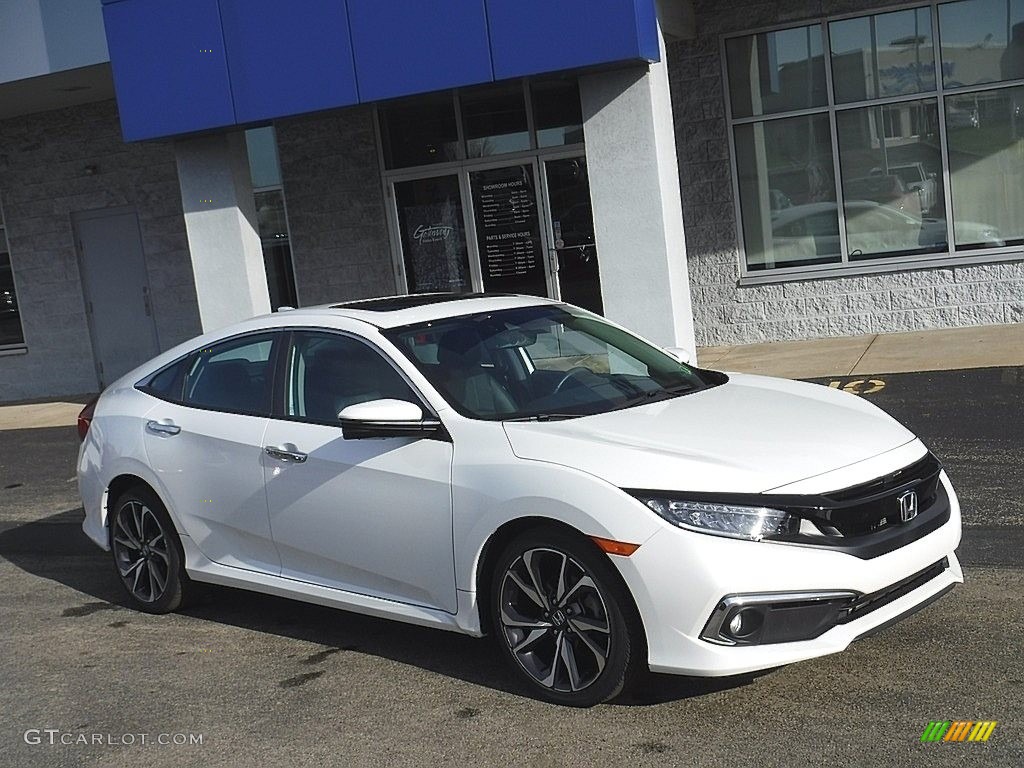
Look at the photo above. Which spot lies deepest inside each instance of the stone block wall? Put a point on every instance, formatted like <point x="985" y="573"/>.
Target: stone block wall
<point x="53" y="164"/>
<point x="335" y="205"/>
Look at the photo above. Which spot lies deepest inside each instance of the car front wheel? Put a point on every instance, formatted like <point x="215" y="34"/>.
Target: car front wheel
<point x="564" y="619"/>
<point x="147" y="553"/>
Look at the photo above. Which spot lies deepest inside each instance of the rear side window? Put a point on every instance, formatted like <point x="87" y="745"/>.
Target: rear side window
<point x="235" y="376"/>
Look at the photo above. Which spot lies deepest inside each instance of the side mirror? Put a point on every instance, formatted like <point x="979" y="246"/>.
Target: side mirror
<point x="386" y="418"/>
<point x="679" y="353"/>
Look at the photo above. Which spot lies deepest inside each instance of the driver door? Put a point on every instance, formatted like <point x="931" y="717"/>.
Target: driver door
<point x="370" y="516"/>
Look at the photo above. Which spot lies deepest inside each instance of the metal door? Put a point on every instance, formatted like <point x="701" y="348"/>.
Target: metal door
<point x="116" y="289"/>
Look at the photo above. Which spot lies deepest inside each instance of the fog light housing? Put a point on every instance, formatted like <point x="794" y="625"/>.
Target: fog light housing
<point x="780" y="617"/>
<point x="745" y="622"/>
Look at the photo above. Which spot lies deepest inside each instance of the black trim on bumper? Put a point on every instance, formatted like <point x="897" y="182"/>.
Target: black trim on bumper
<point x="865" y="604"/>
<point x="909" y="612"/>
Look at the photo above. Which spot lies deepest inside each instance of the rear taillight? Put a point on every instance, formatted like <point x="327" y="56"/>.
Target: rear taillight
<point x="85" y="418"/>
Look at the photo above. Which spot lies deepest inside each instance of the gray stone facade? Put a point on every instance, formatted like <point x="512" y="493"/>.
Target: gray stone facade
<point x="53" y="164"/>
<point x="335" y="204"/>
<point x="726" y="313"/>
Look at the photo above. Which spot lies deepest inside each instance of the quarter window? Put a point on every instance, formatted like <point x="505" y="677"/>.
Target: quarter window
<point x="329" y="372"/>
<point x="235" y="376"/>
<point x="911" y="147"/>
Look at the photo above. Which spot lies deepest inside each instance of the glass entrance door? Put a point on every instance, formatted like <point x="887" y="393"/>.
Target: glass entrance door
<point x="508" y="233"/>
<point x="432" y="231"/>
<point x="572" y="232"/>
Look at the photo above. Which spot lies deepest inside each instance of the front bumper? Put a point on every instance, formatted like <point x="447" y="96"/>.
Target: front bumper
<point x="678" y="578"/>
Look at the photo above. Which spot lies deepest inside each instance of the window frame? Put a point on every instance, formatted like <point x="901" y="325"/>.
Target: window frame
<point x="283" y="372"/>
<point x="951" y="257"/>
<point x="18" y="348"/>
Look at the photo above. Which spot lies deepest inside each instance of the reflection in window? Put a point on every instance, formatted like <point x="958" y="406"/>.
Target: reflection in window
<point x="776" y="71"/>
<point x="787" y="192"/>
<point x="985" y="132"/>
<point x="891" y="171"/>
<point x="277" y="251"/>
<point x="10" y="318"/>
<point x="982" y="41"/>
<point x="264" y="167"/>
<point x="494" y="120"/>
<point x="889" y="54"/>
<point x="420" y="132"/>
<point x="272" y="224"/>
<point x="557" y="116"/>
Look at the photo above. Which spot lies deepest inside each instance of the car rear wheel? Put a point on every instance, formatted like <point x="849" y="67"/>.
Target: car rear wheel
<point x="564" y="619"/>
<point x="147" y="553"/>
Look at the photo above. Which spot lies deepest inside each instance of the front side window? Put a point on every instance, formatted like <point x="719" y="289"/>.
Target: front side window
<point x="911" y="147"/>
<point x="328" y="372"/>
<point x="235" y="376"/>
<point x="10" y="318"/>
<point x="543" y="362"/>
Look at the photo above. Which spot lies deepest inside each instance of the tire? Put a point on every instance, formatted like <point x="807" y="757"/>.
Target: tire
<point x="150" y="565"/>
<point x="582" y="605"/>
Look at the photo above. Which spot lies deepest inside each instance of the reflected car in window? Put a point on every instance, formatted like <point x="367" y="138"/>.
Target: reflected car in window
<point x="521" y="468"/>
<point x="871" y="229"/>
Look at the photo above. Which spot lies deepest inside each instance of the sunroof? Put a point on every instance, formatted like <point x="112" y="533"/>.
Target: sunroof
<point x="394" y="303"/>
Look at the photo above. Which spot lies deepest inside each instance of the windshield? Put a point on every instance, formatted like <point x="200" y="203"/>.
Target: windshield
<point x="543" y="362"/>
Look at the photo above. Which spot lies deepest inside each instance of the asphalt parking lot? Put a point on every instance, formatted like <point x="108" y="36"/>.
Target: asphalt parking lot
<point x="265" y="681"/>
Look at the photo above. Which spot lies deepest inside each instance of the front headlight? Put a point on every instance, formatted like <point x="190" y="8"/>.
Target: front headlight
<point x="738" y="522"/>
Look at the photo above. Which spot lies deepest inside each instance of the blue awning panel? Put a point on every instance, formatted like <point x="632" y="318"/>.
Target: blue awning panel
<point x="194" y="65"/>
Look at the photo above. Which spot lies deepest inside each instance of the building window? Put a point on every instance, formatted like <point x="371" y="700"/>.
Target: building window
<point x="271" y="216"/>
<point x="889" y="136"/>
<point x="11" y="335"/>
<point x="482" y="122"/>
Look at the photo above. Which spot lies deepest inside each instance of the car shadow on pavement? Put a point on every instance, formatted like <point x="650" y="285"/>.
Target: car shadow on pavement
<point x="56" y="549"/>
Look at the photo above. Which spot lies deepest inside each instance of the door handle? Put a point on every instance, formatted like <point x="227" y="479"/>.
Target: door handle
<point x="163" y="427"/>
<point x="284" y="454"/>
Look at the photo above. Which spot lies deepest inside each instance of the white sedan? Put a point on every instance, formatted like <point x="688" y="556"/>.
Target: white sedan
<point x="522" y="468"/>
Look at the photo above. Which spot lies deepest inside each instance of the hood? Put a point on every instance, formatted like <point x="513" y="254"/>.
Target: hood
<point x="749" y="435"/>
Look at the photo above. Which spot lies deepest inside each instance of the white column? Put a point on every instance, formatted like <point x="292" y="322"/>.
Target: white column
<point x="634" y="188"/>
<point x="220" y="219"/>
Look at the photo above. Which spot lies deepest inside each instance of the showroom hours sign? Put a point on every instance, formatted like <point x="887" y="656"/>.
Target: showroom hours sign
<point x="508" y="230"/>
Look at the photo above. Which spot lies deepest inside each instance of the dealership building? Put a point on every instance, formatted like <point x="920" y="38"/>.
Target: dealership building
<point x="704" y="172"/>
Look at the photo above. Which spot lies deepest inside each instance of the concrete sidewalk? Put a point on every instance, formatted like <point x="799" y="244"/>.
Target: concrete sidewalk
<point x="984" y="346"/>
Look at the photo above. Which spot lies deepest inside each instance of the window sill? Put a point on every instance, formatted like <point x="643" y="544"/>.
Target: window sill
<point x="861" y="268"/>
<point x="13" y="350"/>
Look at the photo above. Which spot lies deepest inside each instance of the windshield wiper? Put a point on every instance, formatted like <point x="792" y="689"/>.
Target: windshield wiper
<point x="547" y="417"/>
<point x="664" y="394"/>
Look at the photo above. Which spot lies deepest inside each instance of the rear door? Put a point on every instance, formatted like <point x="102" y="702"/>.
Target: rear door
<point x="207" y="449"/>
<point x="371" y="516"/>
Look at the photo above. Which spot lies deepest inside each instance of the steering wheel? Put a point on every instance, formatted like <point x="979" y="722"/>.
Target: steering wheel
<point x="569" y="375"/>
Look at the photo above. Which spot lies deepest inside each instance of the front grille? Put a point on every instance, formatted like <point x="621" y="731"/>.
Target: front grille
<point x="868" y="603"/>
<point x="873" y="506"/>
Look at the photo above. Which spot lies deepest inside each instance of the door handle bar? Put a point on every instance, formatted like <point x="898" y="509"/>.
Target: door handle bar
<point x="284" y="455"/>
<point x="163" y="429"/>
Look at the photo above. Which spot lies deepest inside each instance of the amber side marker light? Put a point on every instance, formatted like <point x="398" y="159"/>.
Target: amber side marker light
<point x="613" y="547"/>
